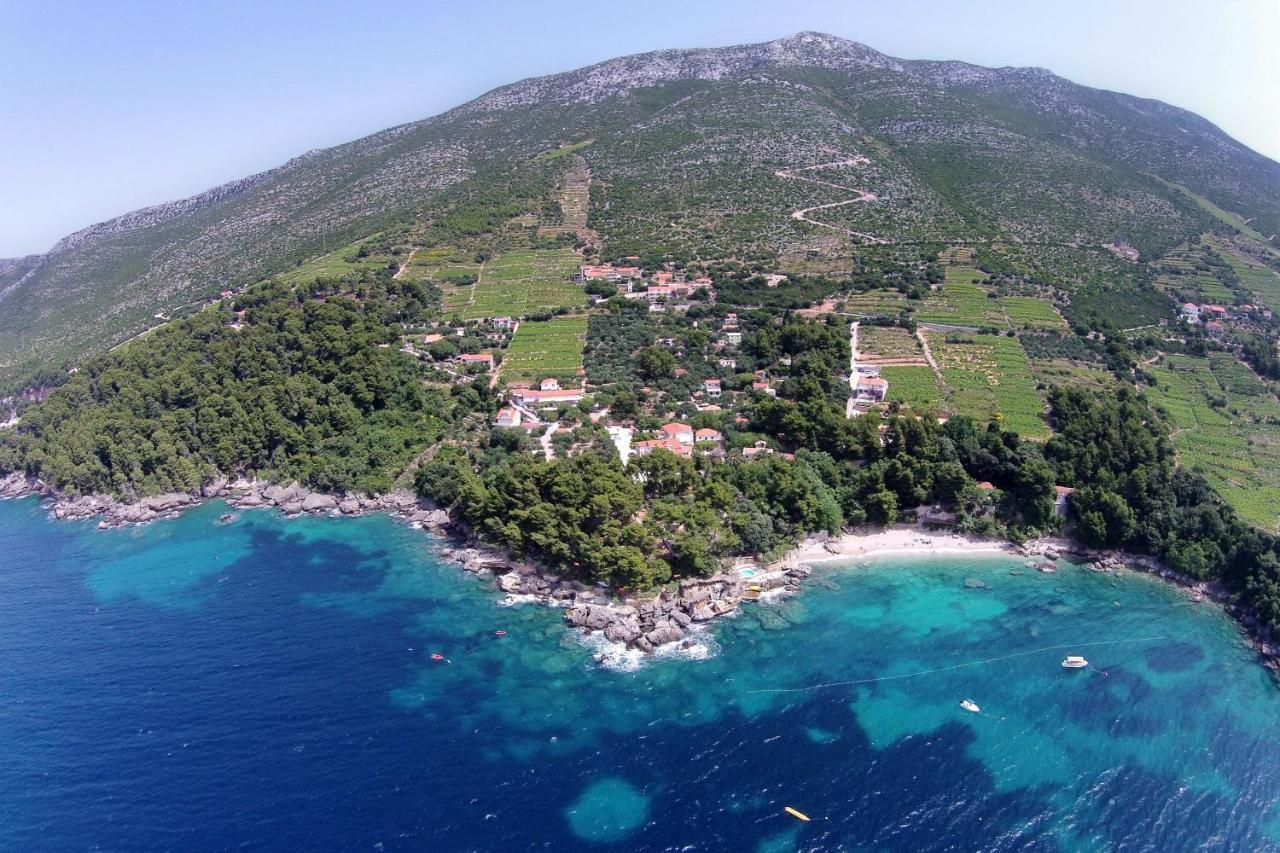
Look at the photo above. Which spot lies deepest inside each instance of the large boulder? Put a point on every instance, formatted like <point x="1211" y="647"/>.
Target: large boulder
<point x="664" y="633"/>
<point x="590" y="616"/>
<point x="510" y="582"/>
<point x="622" y="632"/>
<point x="166" y="503"/>
<point x="318" y="503"/>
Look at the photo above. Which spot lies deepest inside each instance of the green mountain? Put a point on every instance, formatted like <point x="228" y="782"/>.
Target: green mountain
<point x="696" y="153"/>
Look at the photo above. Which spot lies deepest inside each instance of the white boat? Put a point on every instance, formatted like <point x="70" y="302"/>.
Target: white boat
<point x="970" y="705"/>
<point x="1074" y="662"/>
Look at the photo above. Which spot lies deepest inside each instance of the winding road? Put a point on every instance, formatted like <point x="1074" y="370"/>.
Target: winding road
<point x="862" y="196"/>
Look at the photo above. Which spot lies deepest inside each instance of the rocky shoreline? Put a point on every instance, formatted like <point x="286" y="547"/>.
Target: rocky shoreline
<point x="1259" y="636"/>
<point x="637" y="622"/>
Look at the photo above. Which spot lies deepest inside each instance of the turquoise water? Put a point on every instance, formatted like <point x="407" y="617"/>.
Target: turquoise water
<point x="268" y="683"/>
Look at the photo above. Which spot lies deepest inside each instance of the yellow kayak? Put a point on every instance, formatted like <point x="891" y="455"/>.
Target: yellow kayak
<point x="798" y="815"/>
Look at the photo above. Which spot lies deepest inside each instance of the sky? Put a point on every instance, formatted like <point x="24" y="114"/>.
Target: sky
<point x="108" y="107"/>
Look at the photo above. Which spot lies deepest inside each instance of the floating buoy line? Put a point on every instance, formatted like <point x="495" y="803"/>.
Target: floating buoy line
<point x="954" y="666"/>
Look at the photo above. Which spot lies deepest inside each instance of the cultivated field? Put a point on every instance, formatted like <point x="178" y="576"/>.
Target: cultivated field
<point x="913" y="386"/>
<point x="334" y="265"/>
<point x="546" y="348"/>
<point x="884" y="302"/>
<point x="963" y="301"/>
<point x="515" y="283"/>
<point x="881" y="344"/>
<point x="988" y="377"/>
<point x="1226" y="429"/>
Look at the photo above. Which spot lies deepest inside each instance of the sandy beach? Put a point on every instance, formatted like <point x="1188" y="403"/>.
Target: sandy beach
<point x="894" y="540"/>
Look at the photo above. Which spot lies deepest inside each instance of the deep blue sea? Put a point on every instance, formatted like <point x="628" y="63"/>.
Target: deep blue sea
<point x="267" y="684"/>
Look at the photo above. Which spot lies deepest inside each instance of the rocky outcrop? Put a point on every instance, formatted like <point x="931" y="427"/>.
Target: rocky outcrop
<point x="646" y="623"/>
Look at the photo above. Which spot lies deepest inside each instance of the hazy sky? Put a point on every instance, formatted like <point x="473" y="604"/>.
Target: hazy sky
<point x="110" y="106"/>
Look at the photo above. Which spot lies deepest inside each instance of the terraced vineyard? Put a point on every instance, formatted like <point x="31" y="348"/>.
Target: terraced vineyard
<point x="1194" y="272"/>
<point x="962" y="302"/>
<point x="1258" y="279"/>
<point x="515" y="283"/>
<point x="1226" y="429"/>
<point x="334" y="265"/>
<point x="989" y="376"/>
<point x="965" y="301"/>
<point x="881" y="344"/>
<point x="546" y="348"/>
<point x="914" y="386"/>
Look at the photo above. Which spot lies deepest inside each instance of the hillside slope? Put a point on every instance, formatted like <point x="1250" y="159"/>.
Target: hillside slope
<point x="694" y="153"/>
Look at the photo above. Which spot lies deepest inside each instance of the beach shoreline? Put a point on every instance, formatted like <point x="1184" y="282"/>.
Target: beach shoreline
<point x="893" y="541"/>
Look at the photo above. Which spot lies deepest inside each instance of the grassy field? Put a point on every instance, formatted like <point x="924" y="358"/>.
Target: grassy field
<point x="515" y="283"/>
<point x="989" y="377"/>
<point x="564" y="150"/>
<point x="546" y="348"/>
<point x="1225" y="424"/>
<point x="916" y="387"/>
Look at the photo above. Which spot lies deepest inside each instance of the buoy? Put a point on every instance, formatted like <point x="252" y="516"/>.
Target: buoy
<point x="795" y="813"/>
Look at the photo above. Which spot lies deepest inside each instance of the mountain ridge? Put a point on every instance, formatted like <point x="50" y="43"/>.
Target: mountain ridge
<point x="940" y="136"/>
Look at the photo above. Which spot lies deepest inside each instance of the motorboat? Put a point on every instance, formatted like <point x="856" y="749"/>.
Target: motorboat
<point x="970" y="705"/>
<point x="1074" y="662"/>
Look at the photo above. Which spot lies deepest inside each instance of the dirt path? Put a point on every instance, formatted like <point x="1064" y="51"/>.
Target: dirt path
<point x="853" y="368"/>
<point x="862" y="196"/>
<point x="471" y="293"/>
<point x="545" y="441"/>
<point x="928" y="356"/>
<point x="408" y="260"/>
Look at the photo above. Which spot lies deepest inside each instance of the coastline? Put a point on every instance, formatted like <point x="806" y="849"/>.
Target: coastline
<point x="667" y="618"/>
<point x="905" y="541"/>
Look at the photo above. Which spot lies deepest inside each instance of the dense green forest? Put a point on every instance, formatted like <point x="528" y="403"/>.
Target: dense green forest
<point x="308" y="388"/>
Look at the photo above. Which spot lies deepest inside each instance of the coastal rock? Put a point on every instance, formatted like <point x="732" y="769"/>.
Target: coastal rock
<point x="665" y="633"/>
<point x="684" y="620"/>
<point x="592" y="617"/>
<point x="17" y="485"/>
<point x="436" y="518"/>
<point x="166" y="503"/>
<point x="349" y="506"/>
<point x="214" y="488"/>
<point x="622" y="633"/>
<point x="702" y="611"/>
<point x="318" y="503"/>
<point x="510" y="582"/>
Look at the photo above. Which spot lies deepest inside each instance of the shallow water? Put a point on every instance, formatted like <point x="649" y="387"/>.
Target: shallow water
<point x="268" y="683"/>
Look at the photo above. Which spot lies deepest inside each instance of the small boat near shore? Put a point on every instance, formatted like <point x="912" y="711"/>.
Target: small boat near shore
<point x="1074" y="662"/>
<point x="970" y="706"/>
